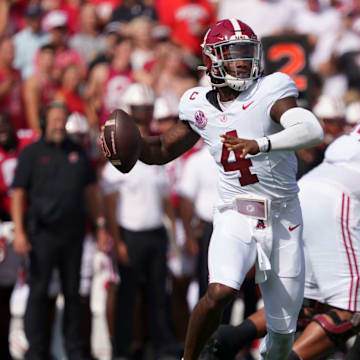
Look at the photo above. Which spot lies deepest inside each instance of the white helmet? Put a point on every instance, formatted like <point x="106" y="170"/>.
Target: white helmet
<point x="138" y="95"/>
<point x="352" y="113"/>
<point x="328" y="107"/>
<point x="77" y="124"/>
<point x="163" y="109"/>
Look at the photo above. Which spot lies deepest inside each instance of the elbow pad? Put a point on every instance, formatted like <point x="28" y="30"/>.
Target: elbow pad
<point x="301" y="130"/>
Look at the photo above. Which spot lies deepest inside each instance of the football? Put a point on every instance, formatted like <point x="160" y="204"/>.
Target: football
<point x="121" y="140"/>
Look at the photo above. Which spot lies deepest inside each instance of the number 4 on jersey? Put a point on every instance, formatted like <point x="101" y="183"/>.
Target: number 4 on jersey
<point x="243" y="165"/>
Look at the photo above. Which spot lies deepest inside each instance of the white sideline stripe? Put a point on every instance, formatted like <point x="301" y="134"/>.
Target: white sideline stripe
<point x="235" y="24"/>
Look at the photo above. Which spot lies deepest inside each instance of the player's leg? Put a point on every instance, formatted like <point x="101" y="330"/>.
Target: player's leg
<point x="5" y="316"/>
<point x="283" y="290"/>
<point x="159" y="329"/>
<point x="69" y="269"/>
<point x="228" y="340"/>
<point x="86" y="275"/>
<point x="232" y="253"/>
<point x="322" y="335"/>
<point x="42" y="261"/>
<point x="333" y="253"/>
<point x="282" y="300"/>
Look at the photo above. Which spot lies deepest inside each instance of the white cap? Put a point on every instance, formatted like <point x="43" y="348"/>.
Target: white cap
<point x="77" y="124"/>
<point x="55" y="18"/>
<point x="328" y="107"/>
<point x="138" y="94"/>
<point x="163" y="109"/>
<point x="352" y="113"/>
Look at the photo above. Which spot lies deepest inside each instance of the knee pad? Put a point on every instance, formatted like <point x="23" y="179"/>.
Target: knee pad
<point x="341" y="330"/>
<point x="310" y="308"/>
<point x="276" y="346"/>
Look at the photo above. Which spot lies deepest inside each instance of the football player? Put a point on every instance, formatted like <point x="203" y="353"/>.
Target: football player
<point x="330" y="314"/>
<point x="252" y="125"/>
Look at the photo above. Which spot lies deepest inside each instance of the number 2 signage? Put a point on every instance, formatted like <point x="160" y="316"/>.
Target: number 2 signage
<point x="289" y="54"/>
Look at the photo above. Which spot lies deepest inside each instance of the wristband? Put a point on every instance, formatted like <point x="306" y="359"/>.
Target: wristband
<point x="264" y="144"/>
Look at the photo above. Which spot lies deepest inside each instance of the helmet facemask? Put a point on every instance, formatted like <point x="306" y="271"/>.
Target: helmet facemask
<point x="235" y="63"/>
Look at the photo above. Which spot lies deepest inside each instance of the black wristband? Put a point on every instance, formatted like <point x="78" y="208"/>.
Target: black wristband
<point x="269" y="144"/>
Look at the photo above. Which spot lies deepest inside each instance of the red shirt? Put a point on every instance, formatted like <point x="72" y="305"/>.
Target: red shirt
<point x="12" y="101"/>
<point x="184" y="17"/>
<point x="8" y="162"/>
<point x="74" y="102"/>
<point x="116" y="84"/>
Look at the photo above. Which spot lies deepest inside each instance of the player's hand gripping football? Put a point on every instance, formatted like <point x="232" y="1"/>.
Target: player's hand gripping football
<point x="243" y="146"/>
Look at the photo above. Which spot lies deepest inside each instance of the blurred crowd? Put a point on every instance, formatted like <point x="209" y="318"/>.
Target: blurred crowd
<point x="95" y="56"/>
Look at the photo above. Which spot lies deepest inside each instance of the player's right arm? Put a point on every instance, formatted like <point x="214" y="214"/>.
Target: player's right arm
<point x="169" y="145"/>
<point x="21" y="242"/>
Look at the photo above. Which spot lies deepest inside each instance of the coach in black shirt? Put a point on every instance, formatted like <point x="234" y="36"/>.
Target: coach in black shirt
<point x="53" y="183"/>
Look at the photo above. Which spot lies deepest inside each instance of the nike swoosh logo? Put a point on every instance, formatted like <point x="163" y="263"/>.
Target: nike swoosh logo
<point x="291" y="228"/>
<point x="247" y="105"/>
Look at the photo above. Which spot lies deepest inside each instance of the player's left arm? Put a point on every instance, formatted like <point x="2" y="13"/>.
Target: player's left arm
<point x="301" y="130"/>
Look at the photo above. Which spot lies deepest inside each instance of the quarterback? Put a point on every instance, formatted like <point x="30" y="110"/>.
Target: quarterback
<point x="252" y="125"/>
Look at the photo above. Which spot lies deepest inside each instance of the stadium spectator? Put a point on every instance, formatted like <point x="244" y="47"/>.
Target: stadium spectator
<point x="40" y="88"/>
<point x="69" y="93"/>
<point x="108" y="82"/>
<point x="11" y="143"/>
<point x="56" y="24"/>
<point x="11" y="96"/>
<point x="281" y="11"/>
<point x="130" y="9"/>
<point x="111" y="33"/>
<point x="88" y="42"/>
<point x="55" y="177"/>
<point x="189" y="21"/>
<point x="140" y="30"/>
<point x="12" y="16"/>
<point x="28" y="41"/>
<point x="170" y="74"/>
<point x="4" y="16"/>
<point x="321" y="22"/>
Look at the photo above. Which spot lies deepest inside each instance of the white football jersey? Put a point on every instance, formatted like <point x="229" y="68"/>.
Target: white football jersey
<point x="341" y="165"/>
<point x="271" y="174"/>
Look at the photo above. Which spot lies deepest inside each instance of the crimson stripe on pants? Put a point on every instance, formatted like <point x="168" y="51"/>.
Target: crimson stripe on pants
<point x="346" y="248"/>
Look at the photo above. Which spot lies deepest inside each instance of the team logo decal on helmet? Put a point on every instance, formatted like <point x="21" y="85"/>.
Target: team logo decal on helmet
<point x="200" y="119"/>
<point x="232" y="54"/>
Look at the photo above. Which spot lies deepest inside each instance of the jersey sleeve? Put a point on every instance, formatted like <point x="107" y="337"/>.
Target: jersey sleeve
<point x="111" y="179"/>
<point x="23" y="172"/>
<point x="186" y="106"/>
<point x="283" y="86"/>
<point x="279" y="86"/>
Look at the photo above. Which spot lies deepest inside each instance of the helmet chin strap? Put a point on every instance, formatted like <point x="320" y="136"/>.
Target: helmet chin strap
<point x="237" y="84"/>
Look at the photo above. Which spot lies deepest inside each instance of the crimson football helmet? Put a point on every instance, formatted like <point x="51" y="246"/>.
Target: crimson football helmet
<point x="232" y="54"/>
